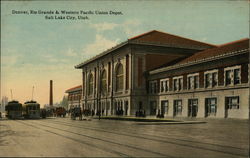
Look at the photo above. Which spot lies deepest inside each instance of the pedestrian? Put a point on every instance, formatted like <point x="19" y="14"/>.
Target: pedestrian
<point x="99" y="113"/>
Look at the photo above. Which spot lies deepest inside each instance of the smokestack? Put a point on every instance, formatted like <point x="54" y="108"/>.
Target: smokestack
<point x="51" y="93"/>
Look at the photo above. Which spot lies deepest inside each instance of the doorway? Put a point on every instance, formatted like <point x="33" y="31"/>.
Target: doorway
<point x="164" y="107"/>
<point x="192" y="107"/>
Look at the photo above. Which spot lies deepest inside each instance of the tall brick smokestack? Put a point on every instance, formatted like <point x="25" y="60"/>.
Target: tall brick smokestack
<point x="51" y="93"/>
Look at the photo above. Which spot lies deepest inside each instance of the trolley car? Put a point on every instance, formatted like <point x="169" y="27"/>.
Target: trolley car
<point x="13" y="110"/>
<point x="31" y="110"/>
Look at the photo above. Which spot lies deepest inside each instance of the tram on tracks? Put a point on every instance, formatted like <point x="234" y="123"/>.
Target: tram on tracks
<point x="31" y="110"/>
<point x="13" y="110"/>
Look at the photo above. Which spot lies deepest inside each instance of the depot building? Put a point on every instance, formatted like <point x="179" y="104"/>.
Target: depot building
<point x="159" y="74"/>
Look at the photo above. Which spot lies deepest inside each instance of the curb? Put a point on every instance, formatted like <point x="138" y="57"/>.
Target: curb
<point x="145" y="121"/>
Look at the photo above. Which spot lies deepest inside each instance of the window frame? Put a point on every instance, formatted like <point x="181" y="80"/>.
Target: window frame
<point x="209" y="105"/>
<point x="232" y="69"/>
<point x="211" y="79"/>
<point x="90" y="84"/>
<point x="178" y="88"/>
<point x="232" y="106"/>
<point x="192" y="76"/>
<point x="166" y="88"/>
<point x="103" y="86"/>
<point x="176" y="107"/>
<point x="153" y="87"/>
<point x="119" y="78"/>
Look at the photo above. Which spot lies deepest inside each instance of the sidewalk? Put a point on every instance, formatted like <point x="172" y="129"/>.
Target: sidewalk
<point x="150" y="120"/>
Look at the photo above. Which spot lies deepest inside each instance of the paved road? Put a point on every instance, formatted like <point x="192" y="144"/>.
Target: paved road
<point x="106" y="138"/>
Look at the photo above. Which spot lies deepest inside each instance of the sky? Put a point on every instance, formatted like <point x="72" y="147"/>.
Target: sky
<point x="35" y="50"/>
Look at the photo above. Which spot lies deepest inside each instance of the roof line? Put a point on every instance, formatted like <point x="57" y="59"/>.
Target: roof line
<point x="243" y="39"/>
<point x="101" y="54"/>
<point x="79" y="86"/>
<point x="198" y="61"/>
<point x="130" y="40"/>
<point x="172" y="35"/>
<point x="142" y="34"/>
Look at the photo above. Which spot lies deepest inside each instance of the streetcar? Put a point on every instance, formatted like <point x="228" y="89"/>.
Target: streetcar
<point x="13" y="110"/>
<point x="31" y="110"/>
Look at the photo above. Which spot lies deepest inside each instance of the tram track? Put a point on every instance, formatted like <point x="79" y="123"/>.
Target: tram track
<point x="161" y="137"/>
<point x="94" y="138"/>
<point x="77" y="140"/>
<point x="197" y="145"/>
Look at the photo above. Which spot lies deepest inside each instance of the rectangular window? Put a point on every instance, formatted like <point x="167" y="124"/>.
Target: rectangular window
<point x="127" y="71"/>
<point x="140" y="74"/>
<point x="109" y="74"/>
<point x="211" y="78"/>
<point x="153" y="87"/>
<point x="164" y="107"/>
<point x="196" y="81"/>
<point x="189" y="82"/>
<point x="175" y="84"/>
<point x="164" y="85"/>
<point x="211" y="106"/>
<point x="236" y="76"/>
<point x="193" y="81"/>
<point x="232" y="102"/>
<point x="152" y="107"/>
<point x="177" y="107"/>
<point x="178" y="83"/>
<point x="228" y="77"/>
<point x="232" y="75"/>
<point x="207" y="80"/>
<point x="214" y="79"/>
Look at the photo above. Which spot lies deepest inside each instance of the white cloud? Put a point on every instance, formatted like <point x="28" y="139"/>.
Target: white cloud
<point x="50" y="58"/>
<point x="71" y="53"/>
<point x="104" y="26"/>
<point x="131" y="27"/>
<point x="98" y="46"/>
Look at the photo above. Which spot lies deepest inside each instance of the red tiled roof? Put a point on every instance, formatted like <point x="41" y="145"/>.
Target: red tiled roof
<point x="157" y="38"/>
<point x="169" y="39"/>
<point x="74" y="89"/>
<point x="220" y="50"/>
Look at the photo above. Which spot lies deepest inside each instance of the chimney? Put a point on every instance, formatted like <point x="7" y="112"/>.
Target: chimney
<point x="51" y="93"/>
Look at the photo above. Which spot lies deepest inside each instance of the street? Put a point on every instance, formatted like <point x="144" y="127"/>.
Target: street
<point x="53" y="137"/>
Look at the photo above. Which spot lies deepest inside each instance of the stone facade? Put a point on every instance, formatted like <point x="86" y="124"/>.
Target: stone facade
<point x="74" y="96"/>
<point x="126" y="79"/>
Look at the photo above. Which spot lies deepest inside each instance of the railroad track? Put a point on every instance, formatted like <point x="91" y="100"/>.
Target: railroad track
<point x="157" y="154"/>
<point x="180" y="142"/>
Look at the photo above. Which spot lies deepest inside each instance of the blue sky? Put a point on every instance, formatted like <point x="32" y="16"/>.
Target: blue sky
<point x="35" y="50"/>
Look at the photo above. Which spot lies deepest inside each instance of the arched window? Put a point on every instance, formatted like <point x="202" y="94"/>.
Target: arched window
<point x="103" y="82"/>
<point x="119" y="77"/>
<point x="91" y="84"/>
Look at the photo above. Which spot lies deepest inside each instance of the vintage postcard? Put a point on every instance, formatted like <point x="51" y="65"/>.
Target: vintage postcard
<point x="125" y="78"/>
